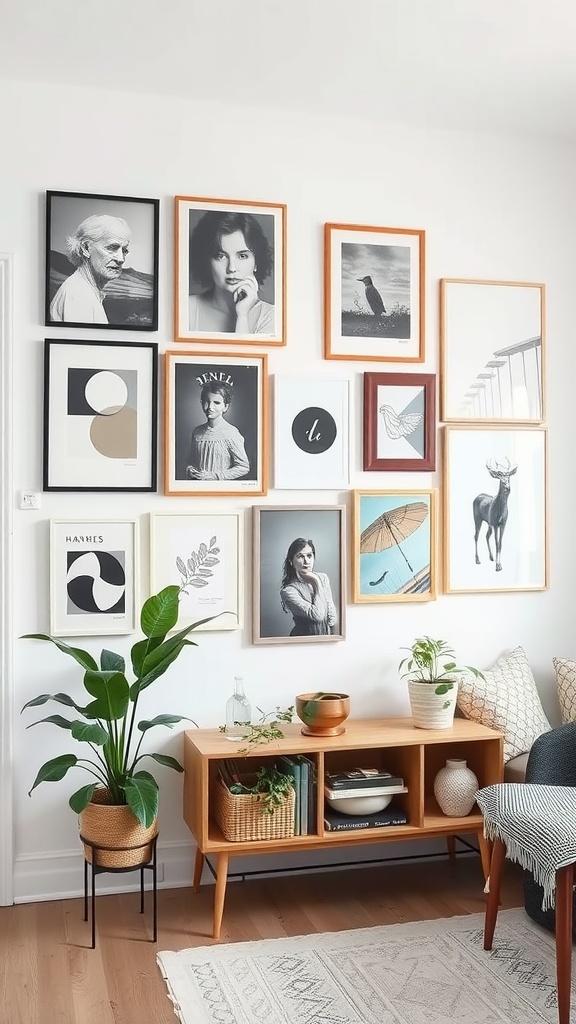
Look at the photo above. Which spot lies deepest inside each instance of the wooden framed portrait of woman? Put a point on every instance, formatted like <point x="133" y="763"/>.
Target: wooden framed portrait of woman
<point x="230" y="283"/>
<point x="299" y="574"/>
<point x="216" y="418"/>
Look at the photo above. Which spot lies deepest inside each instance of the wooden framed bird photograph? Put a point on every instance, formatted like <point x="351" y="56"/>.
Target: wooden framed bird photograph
<point x="495" y="509"/>
<point x="394" y="546"/>
<point x="374" y="293"/>
<point x="400" y="422"/>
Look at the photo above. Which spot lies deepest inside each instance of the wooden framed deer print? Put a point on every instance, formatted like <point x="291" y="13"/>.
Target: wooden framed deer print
<point x="495" y="509"/>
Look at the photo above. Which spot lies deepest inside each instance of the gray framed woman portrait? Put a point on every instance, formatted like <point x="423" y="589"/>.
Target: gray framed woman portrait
<point x="230" y="282"/>
<point x="299" y="574"/>
<point x="215" y="431"/>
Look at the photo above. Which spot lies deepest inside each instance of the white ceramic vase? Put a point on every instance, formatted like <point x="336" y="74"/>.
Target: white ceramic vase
<point x="431" y="710"/>
<point x="455" y="788"/>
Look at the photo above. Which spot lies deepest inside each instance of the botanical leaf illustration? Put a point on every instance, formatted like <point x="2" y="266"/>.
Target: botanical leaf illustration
<point x="197" y="569"/>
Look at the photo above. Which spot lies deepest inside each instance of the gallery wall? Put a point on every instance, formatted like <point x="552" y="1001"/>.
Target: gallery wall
<point x="492" y="207"/>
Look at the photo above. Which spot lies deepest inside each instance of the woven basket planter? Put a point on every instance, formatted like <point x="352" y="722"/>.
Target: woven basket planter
<point x="242" y="818"/>
<point x="121" y="840"/>
<point x="429" y="709"/>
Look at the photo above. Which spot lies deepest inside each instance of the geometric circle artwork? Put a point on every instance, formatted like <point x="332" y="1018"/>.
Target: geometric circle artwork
<point x="96" y="582"/>
<point x="314" y="430"/>
<point x="106" y="393"/>
<point x="115" y="436"/>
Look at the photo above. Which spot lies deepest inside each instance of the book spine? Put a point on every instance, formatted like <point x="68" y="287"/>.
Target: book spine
<point x="337" y="782"/>
<point x="286" y="764"/>
<point x="345" y="826"/>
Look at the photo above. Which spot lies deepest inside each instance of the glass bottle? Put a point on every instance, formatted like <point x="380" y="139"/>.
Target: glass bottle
<point x="238" y="712"/>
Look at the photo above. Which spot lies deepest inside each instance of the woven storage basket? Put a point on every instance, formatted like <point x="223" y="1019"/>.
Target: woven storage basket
<point x="242" y="819"/>
<point x="121" y="840"/>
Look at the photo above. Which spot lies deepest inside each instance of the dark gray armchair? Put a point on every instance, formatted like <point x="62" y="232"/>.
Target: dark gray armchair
<point x="552" y="762"/>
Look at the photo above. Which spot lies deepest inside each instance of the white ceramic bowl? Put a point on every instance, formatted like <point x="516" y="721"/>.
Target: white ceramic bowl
<point x="359" y="804"/>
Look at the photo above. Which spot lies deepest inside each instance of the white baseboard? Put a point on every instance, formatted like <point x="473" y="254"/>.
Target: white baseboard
<point x="60" y="876"/>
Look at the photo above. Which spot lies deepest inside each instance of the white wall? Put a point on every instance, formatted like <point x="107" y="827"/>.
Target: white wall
<point x="491" y="207"/>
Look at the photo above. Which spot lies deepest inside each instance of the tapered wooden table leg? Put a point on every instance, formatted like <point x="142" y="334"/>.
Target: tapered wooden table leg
<point x="496" y="865"/>
<point x="485" y="854"/>
<point x="198" y="865"/>
<point x="220" y="893"/>
<point x="451" y="847"/>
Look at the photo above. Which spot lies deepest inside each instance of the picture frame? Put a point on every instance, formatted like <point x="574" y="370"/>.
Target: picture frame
<point x="282" y="603"/>
<point x="93" y="576"/>
<point x="495" y="476"/>
<point x="399" y="422"/>
<point x="202" y="553"/>
<point x="394" y="555"/>
<point x="101" y="261"/>
<point x="100" y="416"/>
<point x="239" y="296"/>
<point x="374" y="293"/>
<point x="493" y="351"/>
<point x="238" y="464"/>
<point x="311" y="433"/>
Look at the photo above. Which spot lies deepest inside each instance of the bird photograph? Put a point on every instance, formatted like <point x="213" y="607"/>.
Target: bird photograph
<point x="375" y="293"/>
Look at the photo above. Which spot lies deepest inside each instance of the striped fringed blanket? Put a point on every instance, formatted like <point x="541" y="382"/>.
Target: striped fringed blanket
<point x="537" y="824"/>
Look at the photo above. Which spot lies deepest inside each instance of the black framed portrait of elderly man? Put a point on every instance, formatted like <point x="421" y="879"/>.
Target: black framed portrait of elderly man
<point x="230" y="282"/>
<point x="102" y="261"/>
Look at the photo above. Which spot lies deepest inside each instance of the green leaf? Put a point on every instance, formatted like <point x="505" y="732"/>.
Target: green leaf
<point x="160" y="612"/>
<point x="54" y="770"/>
<point x="112" y="662"/>
<point x="156" y="664"/>
<point x="142" y="797"/>
<point x="111" y="691"/>
<point x="166" y="760"/>
<point x="62" y="723"/>
<point x="139" y="652"/>
<point x="82" y="657"/>
<point x="90" y="732"/>
<point x="82" y="797"/>
<point x="444" y="688"/>
<point x="60" y="698"/>
<point x="167" y="720"/>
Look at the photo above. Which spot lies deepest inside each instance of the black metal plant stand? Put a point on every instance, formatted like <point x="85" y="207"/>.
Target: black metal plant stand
<point x="97" y="869"/>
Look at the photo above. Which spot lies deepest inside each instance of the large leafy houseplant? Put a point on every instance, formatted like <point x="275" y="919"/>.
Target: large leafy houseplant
<point x="108" y="723"/>
<point x="431" y="661"/>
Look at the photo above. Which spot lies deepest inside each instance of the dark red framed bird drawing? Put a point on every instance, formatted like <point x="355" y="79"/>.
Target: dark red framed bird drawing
<point x="394" y="554"/>
<point x="400" y="422"/>
<point x="374" y="293"/>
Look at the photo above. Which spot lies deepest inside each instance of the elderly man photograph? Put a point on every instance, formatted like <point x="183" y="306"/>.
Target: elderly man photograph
<point x="101" y="261"/>
<point x="98" y="249"/>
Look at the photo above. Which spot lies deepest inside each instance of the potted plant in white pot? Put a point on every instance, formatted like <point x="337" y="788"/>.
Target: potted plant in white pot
<point x="119" y="807"/>
<point x="432" y="677"/>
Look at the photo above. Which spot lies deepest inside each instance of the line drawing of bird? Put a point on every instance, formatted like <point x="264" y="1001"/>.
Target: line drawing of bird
<point x="399" y="424"/>
<point x="373" y="297"/>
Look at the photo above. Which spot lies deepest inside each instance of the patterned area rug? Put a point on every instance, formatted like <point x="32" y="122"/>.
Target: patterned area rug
<point x="431" y="972"/>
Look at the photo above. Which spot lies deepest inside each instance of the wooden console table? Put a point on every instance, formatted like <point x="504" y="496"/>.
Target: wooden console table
<point x="392" y="744"/>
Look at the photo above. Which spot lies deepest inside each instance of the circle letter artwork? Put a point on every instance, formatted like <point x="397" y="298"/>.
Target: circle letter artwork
<point x="314" y="430"/>
<point x="96" y="582"/>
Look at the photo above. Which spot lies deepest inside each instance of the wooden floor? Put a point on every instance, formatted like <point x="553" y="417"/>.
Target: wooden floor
<point x="49" y="976"/>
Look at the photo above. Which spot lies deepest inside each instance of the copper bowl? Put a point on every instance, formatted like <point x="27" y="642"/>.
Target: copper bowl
<point x="323" y="713"/>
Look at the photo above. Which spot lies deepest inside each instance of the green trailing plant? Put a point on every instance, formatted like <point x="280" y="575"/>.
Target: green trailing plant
<point x="431" y="661"/>
<point x="271" y="787"/>
<point x="108" y="723"/>
<point x="266" y="730"/>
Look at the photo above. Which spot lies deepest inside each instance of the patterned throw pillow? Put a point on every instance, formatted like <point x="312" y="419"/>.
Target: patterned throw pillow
<point x="566" y="683"/>
<point x="507" y="700"/>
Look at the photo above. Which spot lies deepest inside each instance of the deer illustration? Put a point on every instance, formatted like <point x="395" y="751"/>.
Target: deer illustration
<point x="492" y="509"/>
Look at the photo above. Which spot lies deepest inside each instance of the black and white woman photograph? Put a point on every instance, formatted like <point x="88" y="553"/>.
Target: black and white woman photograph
<point x="215" y="424"/>
<point x="299" y="584"/>
<point x="230" y="275"/>
<point x="101" y="261"/>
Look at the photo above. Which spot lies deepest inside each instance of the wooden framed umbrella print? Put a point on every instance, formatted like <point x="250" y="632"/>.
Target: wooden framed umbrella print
<point x="394" y="549"/>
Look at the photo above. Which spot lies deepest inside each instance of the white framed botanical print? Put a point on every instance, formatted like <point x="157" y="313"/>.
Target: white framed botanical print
<point x="311" y="433"/>
<point x="93" y="576"/>
<point x="201" y="552"/>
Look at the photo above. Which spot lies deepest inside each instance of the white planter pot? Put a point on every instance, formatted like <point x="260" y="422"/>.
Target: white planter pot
<point x="429" y="709"/>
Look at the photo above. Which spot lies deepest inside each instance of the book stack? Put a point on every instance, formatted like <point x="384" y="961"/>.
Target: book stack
<point x="360" y="783"/>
